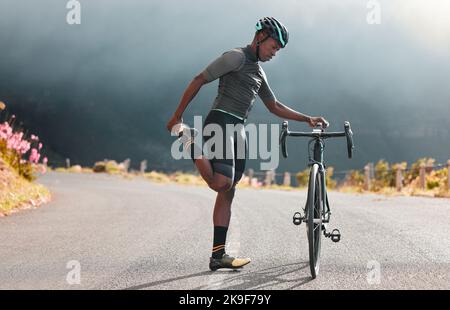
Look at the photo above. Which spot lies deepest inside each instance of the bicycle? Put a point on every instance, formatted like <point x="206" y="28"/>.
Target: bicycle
<point x="317" y="210"/>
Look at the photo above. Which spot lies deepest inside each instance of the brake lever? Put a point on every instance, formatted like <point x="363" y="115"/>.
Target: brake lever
<point x="283" y="135"/>
<point x="349" y="135"/>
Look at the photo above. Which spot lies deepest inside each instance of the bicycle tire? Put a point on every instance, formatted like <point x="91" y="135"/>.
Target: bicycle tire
<point x="314" y="219"/>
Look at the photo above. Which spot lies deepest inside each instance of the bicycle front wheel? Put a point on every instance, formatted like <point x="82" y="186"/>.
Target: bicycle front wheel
<point x="314" y="219"/>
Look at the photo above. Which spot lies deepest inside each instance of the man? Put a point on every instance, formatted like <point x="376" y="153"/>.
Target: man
<point x="241" y="79"/>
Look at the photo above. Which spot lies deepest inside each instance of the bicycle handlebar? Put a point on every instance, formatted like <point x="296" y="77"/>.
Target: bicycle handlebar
<point x="317" y="133"/>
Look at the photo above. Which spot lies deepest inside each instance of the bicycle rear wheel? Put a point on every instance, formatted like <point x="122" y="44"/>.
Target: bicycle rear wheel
<point x="314" y="219"/>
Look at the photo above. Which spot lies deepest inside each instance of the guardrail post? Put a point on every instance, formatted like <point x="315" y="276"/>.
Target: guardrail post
<point x="143" y="166"/>
<point x="372" y="170"/>
<point x="448" y="174"/>
<point x="348" y="179"/>
<point x="270" y="177"/>
<point x="268" y="180"/>
<point x="422" y="176"/>
<point x="67" y="163"/>
<point x="287" y="179"/>
<point x="250" y="176"/>
<point x="126" y="164"/>
<point x="399" y="179"/>
<point x="367" y="177"/>
<point x="254" y="182"/>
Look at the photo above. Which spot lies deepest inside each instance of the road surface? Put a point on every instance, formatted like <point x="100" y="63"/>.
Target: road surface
<point x="105" y="232"/>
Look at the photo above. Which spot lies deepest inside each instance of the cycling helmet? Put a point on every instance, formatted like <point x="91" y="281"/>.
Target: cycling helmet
<point x="275" y="29"/>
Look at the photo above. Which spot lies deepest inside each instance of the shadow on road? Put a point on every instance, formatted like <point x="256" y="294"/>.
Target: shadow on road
<point x="262" y="279"/>
<point x="234" y="280"/>
<point x="149" y="285"/>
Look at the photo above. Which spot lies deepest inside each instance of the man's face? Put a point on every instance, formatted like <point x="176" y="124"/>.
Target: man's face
<point x="268" y="49"/>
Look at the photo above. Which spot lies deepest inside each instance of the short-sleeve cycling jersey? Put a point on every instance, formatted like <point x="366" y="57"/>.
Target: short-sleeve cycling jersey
<point x="241" y="79"/>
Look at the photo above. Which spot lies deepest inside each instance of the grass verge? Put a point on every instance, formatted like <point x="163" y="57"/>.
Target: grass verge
<point x="18" y="193"/>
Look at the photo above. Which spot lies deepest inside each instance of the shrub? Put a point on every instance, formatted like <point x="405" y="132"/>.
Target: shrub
<point x="20" y="152"/>
<point x="355" y="179"/>
<point x="414" y="171"/>
<point x="382" y="175"/>
<point x="99" y="166"/>
<point x="110" y="166"/>
<point x="437" y="179"/>
<point x="302" y="178"/>
<point x="157" y="177"/>
<point x="330" y="182"/>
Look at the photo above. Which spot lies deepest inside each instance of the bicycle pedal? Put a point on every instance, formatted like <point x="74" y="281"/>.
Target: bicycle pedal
<point x="335" y="235"/>
<point x="297" y="219"/>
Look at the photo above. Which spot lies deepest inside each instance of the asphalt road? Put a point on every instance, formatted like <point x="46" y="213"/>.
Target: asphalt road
<point x="103" y="232"/>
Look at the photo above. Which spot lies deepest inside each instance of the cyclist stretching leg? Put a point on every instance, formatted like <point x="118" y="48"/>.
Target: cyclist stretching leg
<point x="241" y="80"/>
<point x="215" y="181"/>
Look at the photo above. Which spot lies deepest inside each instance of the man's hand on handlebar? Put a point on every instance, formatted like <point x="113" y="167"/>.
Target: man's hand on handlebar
<point x="314" y="120"/>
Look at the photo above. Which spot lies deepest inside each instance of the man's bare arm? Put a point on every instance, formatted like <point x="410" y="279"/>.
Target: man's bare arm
<point x="286" y="112"/>
<point x="189" y="94"/>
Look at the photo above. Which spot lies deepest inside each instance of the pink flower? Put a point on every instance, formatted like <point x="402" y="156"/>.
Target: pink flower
<point x="45" y="160"/>
<point x="5" y="130"/>
<point x="11" y="142"/>
<point x="34" y="156"/>
<point x="40" y="145"/>
<point x="24" y="147"/>
<point x="14" y="141"/>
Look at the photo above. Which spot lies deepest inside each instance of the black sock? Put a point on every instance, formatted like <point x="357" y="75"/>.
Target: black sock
<point x="220" y="235"/>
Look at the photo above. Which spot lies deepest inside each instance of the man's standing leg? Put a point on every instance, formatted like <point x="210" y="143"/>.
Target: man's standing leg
<point x="221" y="219"/>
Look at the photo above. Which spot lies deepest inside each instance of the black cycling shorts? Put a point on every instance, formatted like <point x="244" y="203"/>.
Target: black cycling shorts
<point x="230" y="161"/>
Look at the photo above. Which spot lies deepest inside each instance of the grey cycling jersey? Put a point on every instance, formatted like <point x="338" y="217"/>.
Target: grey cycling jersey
<point x="241" y="79"/>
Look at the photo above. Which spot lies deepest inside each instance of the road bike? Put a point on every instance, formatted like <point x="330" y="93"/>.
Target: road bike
<point x="317" y="212"/>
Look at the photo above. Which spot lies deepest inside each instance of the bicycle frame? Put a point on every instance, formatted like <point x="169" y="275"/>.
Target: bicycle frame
<point x="318" y="159"/>
<point x="318" y="137"/>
